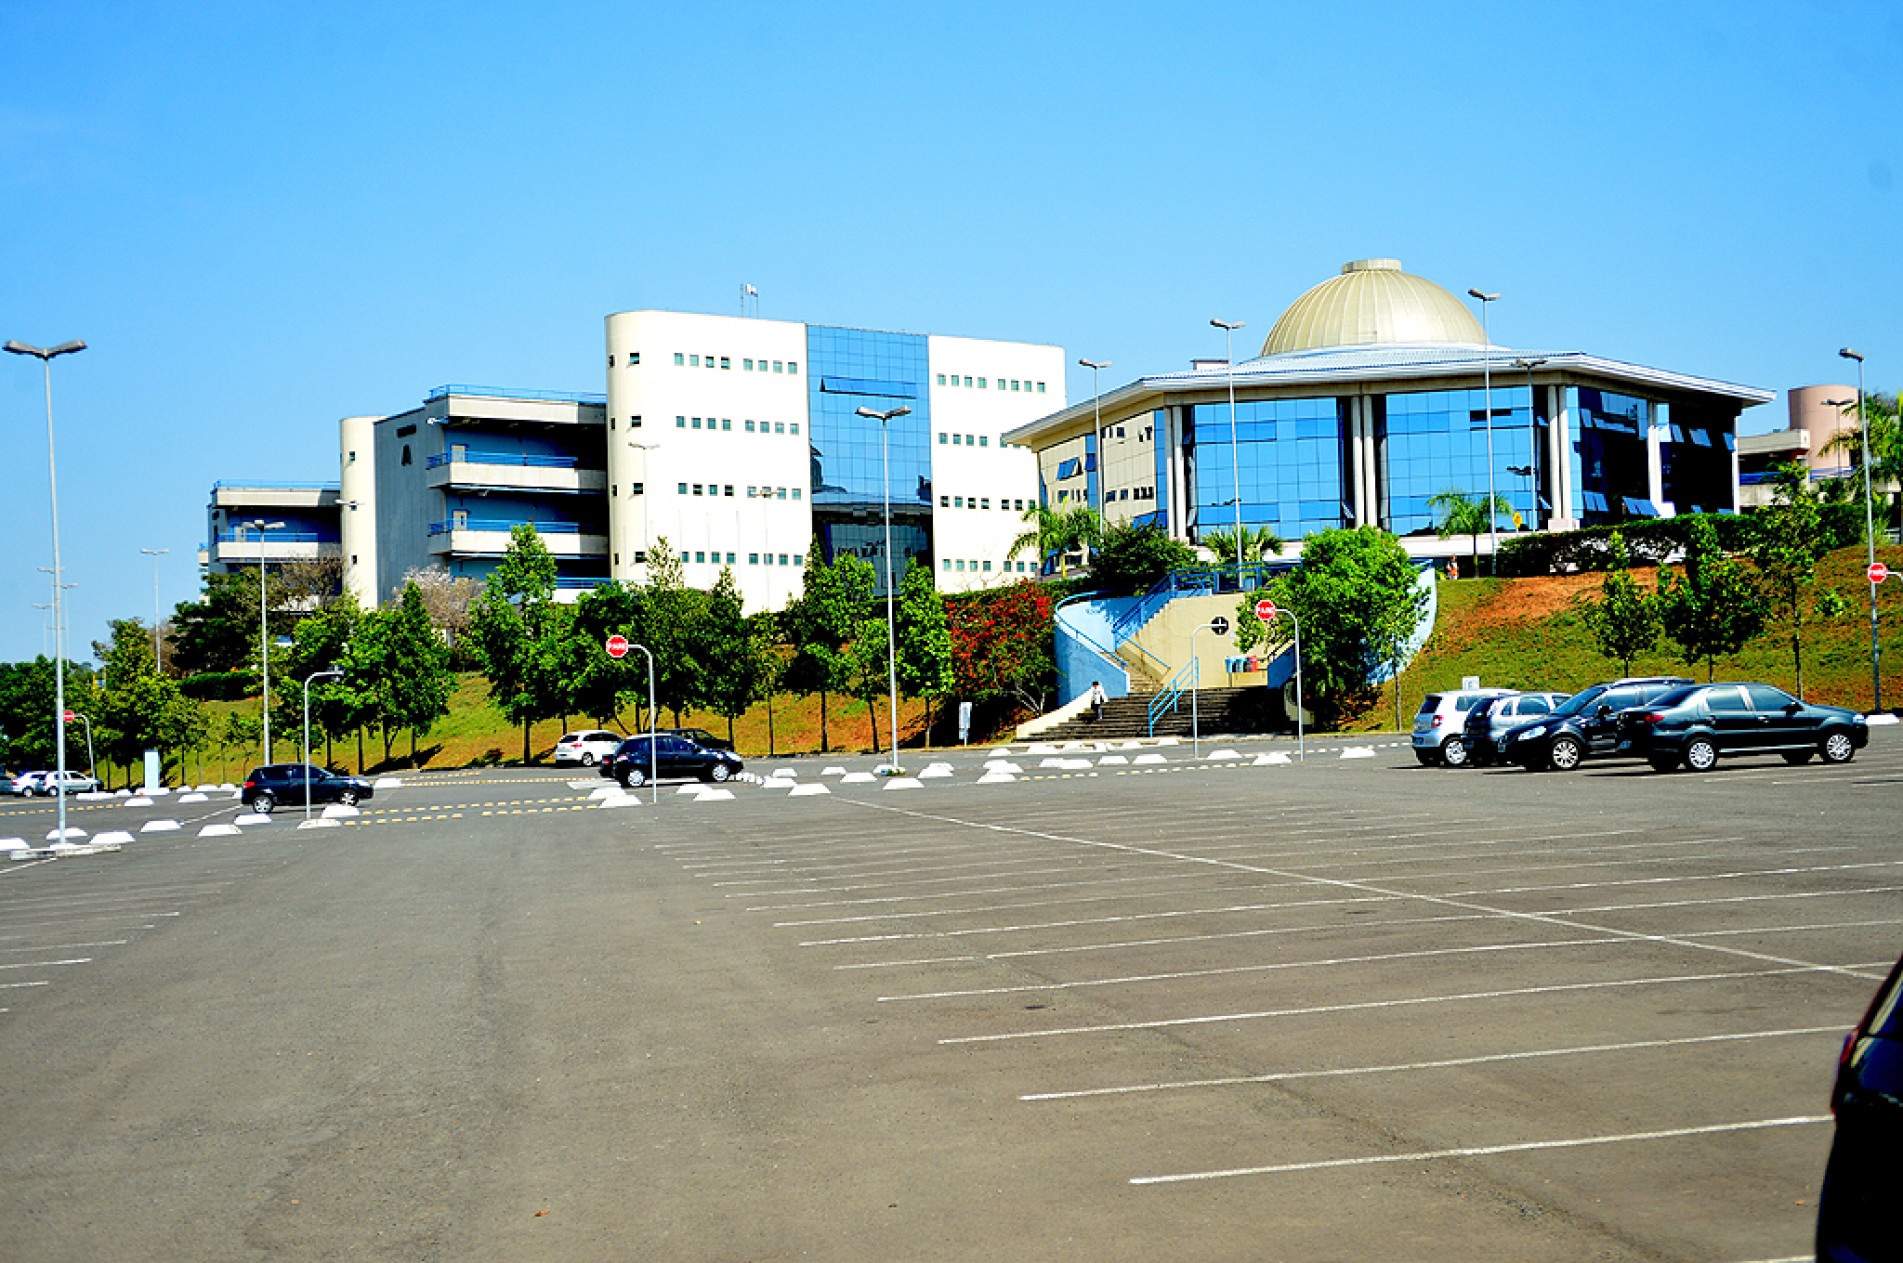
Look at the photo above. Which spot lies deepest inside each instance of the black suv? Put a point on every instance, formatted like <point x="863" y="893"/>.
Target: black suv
<point x="701" y="737"/>
<point x="283" y="783"/>
<point x="1856" y="1211"/>
<point x="672" y="757"/>
<point x="1584" y="725"/>
<point x="1693" y="726"/>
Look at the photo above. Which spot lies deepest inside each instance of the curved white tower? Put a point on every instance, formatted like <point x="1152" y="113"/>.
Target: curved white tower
<point x="358" y="507"/>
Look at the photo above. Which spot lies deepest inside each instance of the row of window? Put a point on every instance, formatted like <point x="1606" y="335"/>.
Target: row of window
<point x="1130" y="493"/>
<point x="958" y="565"/>
<point x="726" y="490"/>
<point x="634" y="360"/>
<point x="964" y="440"/>
<point x="726" y="424"/>
<point x="1013" y="383"/>
<point x="979" y="502"/>
<point x="690" y="360"/>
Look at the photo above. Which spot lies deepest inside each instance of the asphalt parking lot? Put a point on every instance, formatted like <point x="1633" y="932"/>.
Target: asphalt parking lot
<point x="1213" y="1009"/>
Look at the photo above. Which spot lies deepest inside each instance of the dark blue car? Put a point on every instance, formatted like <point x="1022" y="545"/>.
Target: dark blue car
<point x="1857" y="1210"/>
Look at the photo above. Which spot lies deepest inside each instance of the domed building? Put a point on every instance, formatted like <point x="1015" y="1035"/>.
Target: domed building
<point x="1372" y="394"/>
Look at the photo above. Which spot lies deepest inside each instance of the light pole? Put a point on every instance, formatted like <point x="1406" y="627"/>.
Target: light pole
<point x="1486" y="370"/>
<point x="654" y="757"/>
<point x="264" y="623"/>
<point x="1869" y="534"/>
<point x="1096" y="391"/>
<point x="158" y="659"/>
<point x="1532" y="441"/>
<point x="91" y="763"/>
<point x="46" y="355"/>
<point x="891" y="593"/>
<point x="1229" y="328"/>
<point x="333" y="673"/>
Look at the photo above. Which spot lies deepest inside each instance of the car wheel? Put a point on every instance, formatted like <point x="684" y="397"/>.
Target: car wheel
<point x="1427" y="758"/>
<point x="264" y="804"/>
<point x="587" y="759"/>
<point x="1797" y="758"/>
<point x="1663" y="763"/>
<point x="1700" y="754"/>
<point x="348" y="797"/>
<point x="1838" y="748"/>
<point x="719" y="772"/>
<point x="1566" y="754"/>
<point x="1453" y="752"/>
<point x="631" y="777"/>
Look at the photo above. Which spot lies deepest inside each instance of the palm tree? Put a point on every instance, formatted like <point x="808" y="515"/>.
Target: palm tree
<point x="1886" y="447"/>
<point x="1462" y="514"/>
<point x="1258" y="544"/>
<point x="1059" y="531"/>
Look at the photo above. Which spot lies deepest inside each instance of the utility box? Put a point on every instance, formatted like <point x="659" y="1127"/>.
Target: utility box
<point x="152" y="772"/>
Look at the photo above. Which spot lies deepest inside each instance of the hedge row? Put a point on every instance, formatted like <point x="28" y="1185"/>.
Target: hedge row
<point x="1650" y="541"/>
<point x="219" y="686"/>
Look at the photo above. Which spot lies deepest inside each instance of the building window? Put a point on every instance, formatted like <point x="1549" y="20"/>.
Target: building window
<point x="611" y="360"/>
<point x="793" y="367"/>
<point x="779" y="427"/>
<point x="944" y="502"/>
<point x="725" y="362"/>
<point x="958" y="502"/>
<point x="678" y="358"/>
<point x="697" y="422"/>
<point x="634" y="423"/>
<point x="726" y="423"/>
<point x="614" y="489"/>
<point x="680" y="423"/>
<point x="969" y="440"/>
<point x="796" y="493"/>
<point x="961" y="563"/>
<point x="985" y="503"/>
<point x="782" y="559"/>
<point x="696" y="488"/>
<point x="406" y="453"/>
<point x="749" y="427"/>
<point x="700" y="558"/>
<point x="780" y="493"/>
<point x="947" y="562"/>
<point x="981" y="383"/>
<point x="941" y="376"/>
<point x="987" y="567"/>
<point x="710" y="361"/>
<point x="792" y="427"/>
<point x="640" y="558"/>
<point x="984" y="440"/>
<point x="637" y="488"/>
<point x="634" y="358"/>
<point x="1040" y="388"/>
<point x="729" y="491"/>
<point x="943" y="438"/>
<point x="799" y="559"/>
<point x="694" y="361"/>
<point x="753" y="559"/>
<point x="779" y="366"/>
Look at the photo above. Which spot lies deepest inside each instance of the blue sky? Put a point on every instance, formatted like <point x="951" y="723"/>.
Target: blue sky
<point x="264" y="217"/>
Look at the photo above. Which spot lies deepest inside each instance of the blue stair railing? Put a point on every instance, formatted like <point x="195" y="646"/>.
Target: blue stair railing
<point x="1171" y="694"/>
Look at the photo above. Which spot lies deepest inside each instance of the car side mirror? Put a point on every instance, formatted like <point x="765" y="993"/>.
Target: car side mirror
<point x="1791" y="708"/>
<point x="1604" y="710"/>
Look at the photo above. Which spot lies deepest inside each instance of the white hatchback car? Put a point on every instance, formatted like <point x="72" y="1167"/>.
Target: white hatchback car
<point x="1440" y="724"/>
<point x="588" y="747"/>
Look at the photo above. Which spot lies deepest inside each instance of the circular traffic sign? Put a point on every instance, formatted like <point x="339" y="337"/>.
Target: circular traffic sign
<point x="71" y="716"/>
<point x="1878" y="572"/>
<point x="617" y="646"/>
<point x="1219" y="625"/>
<point x="1265" y="609"/>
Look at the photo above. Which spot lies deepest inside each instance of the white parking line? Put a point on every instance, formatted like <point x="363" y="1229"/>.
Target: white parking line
<point x="1482" y="1151"/>
<point x="1179" y="1085"/>
<point x="47" y="964"/>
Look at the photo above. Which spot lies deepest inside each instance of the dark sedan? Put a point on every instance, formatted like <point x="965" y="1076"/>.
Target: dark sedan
<point x="671" y="758"/>
<point x="1691" y="727"/>
<point x="266" y="788"/>
<point x="1856" y="1212"/>
<point x="1584" y="725"/>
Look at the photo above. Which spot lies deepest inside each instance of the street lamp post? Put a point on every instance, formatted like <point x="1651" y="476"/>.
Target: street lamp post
<point x="891" y="593"/>
<point x="1486" y="370"/>
<point x="1229" y="328"/>
<point x="1532" y="441"/>
<point x="92" y="764"/>
<point x="46" y="355"/>
<point x="264" y="623"/>
<point x="332" y="673"/>
<point x="654" y="756"/>
<point x="158" y="659"/>
<point x="1096" y="391"/>
<point x="1869" y="534"/>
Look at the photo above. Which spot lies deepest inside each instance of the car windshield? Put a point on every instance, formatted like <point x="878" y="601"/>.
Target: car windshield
<point x="1579" y="701"/>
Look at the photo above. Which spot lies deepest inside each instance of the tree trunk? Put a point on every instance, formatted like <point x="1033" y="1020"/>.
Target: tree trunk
<point x="730" y="730"/>
<point x="771" y="753"/>
<point x="359" y="749"/>
<point x="412" y="749"/>
<point x="525" y="741"/>
<point x="825" y="746"/>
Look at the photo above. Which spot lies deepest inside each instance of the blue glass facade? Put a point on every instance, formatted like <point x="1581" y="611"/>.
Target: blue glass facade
<point x="849" y="369"/>
<point x="1608" y="432"/>
<point x="1292" y="453"/>
<point x="1436" y="440"/>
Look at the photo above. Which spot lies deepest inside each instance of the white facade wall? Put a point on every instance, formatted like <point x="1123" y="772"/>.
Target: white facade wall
<point x="751" y="435"/>
<point x="981" y="484"/>
<point x="358" y="483"/>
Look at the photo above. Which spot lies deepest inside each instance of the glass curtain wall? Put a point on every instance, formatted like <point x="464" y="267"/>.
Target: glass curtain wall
<point x="1695" y="458"/>
<point x="1609" y="464"/>
<point x="1292" y="453"/>
<point x="849" y="369"/>
<point x="1435" y="441"/>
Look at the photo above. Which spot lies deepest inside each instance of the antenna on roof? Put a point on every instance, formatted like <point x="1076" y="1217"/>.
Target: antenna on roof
<point x="746" y="292"/>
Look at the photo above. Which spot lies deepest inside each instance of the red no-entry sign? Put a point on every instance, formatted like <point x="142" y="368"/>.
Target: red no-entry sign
<point x="71" y="716"/>
<point x="1265" y="609"/>
<point x="617" y="646"/>
<point x="1878" y="572"/>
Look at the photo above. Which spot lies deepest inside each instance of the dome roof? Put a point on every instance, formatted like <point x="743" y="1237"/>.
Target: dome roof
<point x="1373" y="301"/>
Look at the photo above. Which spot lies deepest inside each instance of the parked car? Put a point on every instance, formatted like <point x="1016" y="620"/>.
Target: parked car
<point x="701" y="737"/>
<point x="25" y="785"/>
<point x="49" y="783"/>
<point x="1584" y="726"/>
<point x="1691" y="727"/>
<point x="1441" y="721"/>
<point x="672" y="758"/>
<point x="588" y="747"/>
<point x="282" y="784"/>
<point x="1856" y="1211"/>
<point x="1493" y="717"/>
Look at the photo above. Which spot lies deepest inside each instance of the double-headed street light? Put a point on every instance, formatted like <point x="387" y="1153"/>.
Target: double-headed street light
<point x="1096" y="391"/>
<point x="264" y="622"/>
<point x="1869" y="534"/>
<point x="46" y="356"/>
<point x="891" y="592"/>
<point x="1486" y="370"/>
<point x="1229" y="328"/>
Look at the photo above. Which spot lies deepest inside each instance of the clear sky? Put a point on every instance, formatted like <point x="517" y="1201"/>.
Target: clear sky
<point x="266" y="216"/>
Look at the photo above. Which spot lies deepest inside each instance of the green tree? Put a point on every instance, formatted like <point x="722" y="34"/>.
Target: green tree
<point x="408" y="670"/>
<point x="1358" y="598"/>
<point x="924" y="638"/>
<point x="593" y="683"/>
<point x="27" y="709"/>
<point x="516" y="629"/>
<point x="1133" y="558"/>
<point x="738" y="667"/>
<point x="1259" y="543"/>
<point x="1885" y="437"/>
<point x="673" y="624"/>
<point x="219" y="631"/>
<point x="1462" y="514"/>
<point x="1710" y="608"/>
<point x="1624" y="620"/>
<point x="822" y="622"/>
<point x="1058" y="532"/>
<point x="1787" y="540"/>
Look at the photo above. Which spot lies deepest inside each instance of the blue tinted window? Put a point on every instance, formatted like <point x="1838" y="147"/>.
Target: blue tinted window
<point x="1291" y="465"/>
<point x="1436" y="441"/>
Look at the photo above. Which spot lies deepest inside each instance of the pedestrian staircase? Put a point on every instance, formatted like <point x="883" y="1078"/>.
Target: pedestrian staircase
<point x="1220" y="710"/>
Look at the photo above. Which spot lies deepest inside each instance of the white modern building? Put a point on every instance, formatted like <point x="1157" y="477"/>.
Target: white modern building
<point x="276" y="523"/>
<point x="731" y="441"/>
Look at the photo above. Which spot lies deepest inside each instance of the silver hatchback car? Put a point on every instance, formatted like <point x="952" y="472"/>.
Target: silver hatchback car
<point x="1440" y="725"/>
<point x="1489" y="722"/>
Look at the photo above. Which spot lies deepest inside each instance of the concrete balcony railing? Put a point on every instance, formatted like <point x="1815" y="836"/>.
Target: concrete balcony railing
<point x="493" y="474"/>
<point x="274" y="548"/>
<point x="483" y="537"/>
